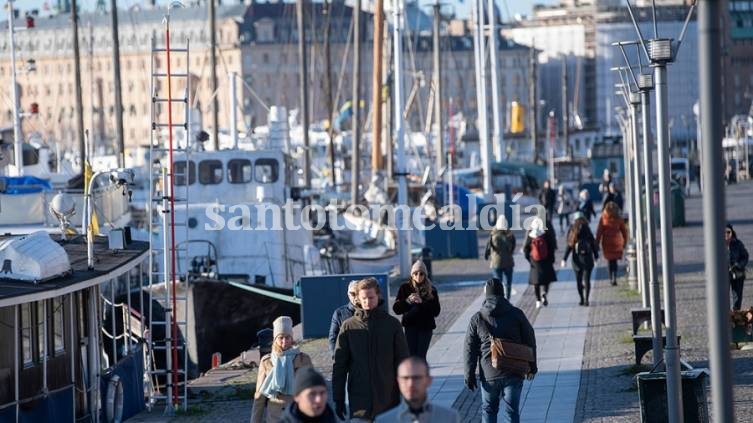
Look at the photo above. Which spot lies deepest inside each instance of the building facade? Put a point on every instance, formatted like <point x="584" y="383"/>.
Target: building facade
<point x="257" y="42"/>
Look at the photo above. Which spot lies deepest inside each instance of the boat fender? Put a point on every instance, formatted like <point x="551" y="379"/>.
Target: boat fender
<point x="114" y="405"/>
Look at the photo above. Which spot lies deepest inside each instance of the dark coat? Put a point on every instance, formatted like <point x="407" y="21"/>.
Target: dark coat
<point x="542" y="272"/>
<point x="419" y="316"/>
<point x="612" y="235"/>
<point x="614" y="197"/>
<point x="294" y="415"/>
<point x="548" y="199"/>
<point x="500" y="249"/>
<point x="370" y="346"/>
<point x="340" y="315"/>
<point x="738" y="258"/>
<point x="587" y="208"/>
<point x="581" y="262"/>
<point x="502" y="320"/>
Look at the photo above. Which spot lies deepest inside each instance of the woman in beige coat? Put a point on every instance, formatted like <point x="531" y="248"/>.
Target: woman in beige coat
<point x="276" y="374"/>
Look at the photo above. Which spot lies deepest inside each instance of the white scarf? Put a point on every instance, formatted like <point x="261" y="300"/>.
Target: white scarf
<point x="280" y="379"/>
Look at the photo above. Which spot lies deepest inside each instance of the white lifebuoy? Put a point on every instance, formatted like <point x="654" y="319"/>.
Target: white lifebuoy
<point x="114" y="404"/>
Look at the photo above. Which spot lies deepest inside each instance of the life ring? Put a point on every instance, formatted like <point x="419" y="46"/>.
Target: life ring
<point x="114" y="404"/>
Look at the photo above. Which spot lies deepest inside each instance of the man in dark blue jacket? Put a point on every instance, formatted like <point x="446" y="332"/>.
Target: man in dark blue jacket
<point x="342" y="314"/>
<point x="499" y="319"/>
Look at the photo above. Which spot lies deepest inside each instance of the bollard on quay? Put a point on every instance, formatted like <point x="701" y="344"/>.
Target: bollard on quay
<point x="632" y="265"/>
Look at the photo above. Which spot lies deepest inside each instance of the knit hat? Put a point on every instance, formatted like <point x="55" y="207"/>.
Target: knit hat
<point x="307" y="377"/>
<point x="537" y="227"/>
<point x="282" y="325"/>
<point x="501" y="223"/>
<point x="418" y="266"/>
<point x="493" y="288"/>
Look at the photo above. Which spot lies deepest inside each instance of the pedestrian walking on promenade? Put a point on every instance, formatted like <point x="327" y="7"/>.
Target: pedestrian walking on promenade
<point x="606" y="179"/>
<point x="612" y="235"/>
<point x="276" y="374"/>
<point x="585" y="205"/>
<point x="342" y="314"/>
<point x="564" y="207"/>
<point x="548" y="198"/>
<point x="500" y="249"/>
<point x="418" y="302"/>
<point x="369" y="348"/>
<point x="613" y="195"/>
<point x="497" y="319"/>
<point x="738" y="260"/>
<point x="580" y="242"/>
<point x="310" y="400"/>
<point x="414" y="380"/>
<point x="539" y="250"/>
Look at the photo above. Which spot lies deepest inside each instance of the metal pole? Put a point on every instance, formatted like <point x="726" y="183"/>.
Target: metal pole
<point x="213" y="76"/>
<point x="234" y="111"/>
<point x="628" y="180"/>
<point x="404" y="236"/>
<point x="77" y="76"/>
<point x="18" y="142"/>
<point x="93" y="351"/>
<point x="438" y="91"/>
<point x="486" y="148"/>
<point x="497" y="143"/>
<point x="552" y="124"/>
<point x="714" y="216"/>
<point x="376" y="89"/>
<point x="118" y="92"/>
<point x="565" y="110"/>
<point x="328" y="84"/>
<point x="356" y="153"/>
<point x="648" y="166"/>
<point x="533" y="103"/>
<point x="672" y="350"/>
<point x="635" y="102"/>
<point x="304" y="92"/>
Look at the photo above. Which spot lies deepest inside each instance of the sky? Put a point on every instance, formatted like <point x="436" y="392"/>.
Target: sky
<point x="509" y="8"/>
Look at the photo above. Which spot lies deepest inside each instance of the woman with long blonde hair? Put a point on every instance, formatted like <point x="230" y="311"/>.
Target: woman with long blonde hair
<point x="418" y="302"/>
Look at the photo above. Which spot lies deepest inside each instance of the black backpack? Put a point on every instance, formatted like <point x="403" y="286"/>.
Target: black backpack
<point x="583" y="247"/>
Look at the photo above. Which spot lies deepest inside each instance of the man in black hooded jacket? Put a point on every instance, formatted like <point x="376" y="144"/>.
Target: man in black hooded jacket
<point x="500" y="319"/>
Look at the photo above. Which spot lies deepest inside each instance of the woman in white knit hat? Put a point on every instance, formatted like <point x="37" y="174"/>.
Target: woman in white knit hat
<point x="275" y="381"/>
<point x="539" y="250"/>
<point x="418" y="302"/>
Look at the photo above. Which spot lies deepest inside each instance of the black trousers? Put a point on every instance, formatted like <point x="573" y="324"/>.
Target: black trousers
<point x="613" y="270"/>
<point x="583" y="282"/>
<point x="418" y="341"/>
<point x="538" y="292"/>
<point x="736" y="285"/>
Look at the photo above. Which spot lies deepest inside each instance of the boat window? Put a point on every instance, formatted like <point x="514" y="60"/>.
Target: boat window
<point x="26" y="338"/>
<point x="239" y="171"/>
<point x="210" y="172"/>
<point x="40" y="329"/>
<point x="179" y="169"/>
<point x="58" y="325"/>
<point x="266" y="171"/>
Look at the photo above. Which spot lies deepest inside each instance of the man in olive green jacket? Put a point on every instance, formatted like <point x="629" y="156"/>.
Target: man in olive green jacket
<point x="370" y="346"/>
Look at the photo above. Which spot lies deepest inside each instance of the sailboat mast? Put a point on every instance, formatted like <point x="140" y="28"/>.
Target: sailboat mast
<point x="120" y="139"/>
<point x="499" y="148"/>
<point x="18" y="142"/>
<point x="328" y="82"/>
<point x="303" y="78"/>
<point x="213" y="70"/>
<point x="403" y="236"/>
<point x="565" y="109"/>
<point x="356" y="153"/>
<point x="376" y="89"/>
<point x="438" y="92"/>
<point x="77" y="76"/>
<point x="533" y="103"/>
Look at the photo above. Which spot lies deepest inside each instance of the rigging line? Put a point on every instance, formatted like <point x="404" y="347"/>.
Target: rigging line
<point x="343" y="65"/>
<point x="417" y="78"/>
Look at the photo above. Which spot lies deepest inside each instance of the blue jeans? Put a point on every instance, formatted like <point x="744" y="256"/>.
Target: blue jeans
<point x="506" y="282"/>
<point x="507" y="389"/>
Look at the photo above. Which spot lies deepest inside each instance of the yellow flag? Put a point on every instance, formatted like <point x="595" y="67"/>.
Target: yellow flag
<point x="93" y="223"/>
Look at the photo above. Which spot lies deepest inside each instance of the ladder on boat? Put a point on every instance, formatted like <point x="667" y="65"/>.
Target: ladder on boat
<point x="167" y="358"/>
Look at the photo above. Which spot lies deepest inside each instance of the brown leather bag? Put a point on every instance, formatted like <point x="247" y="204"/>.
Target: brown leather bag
<point x="511" y="357"/>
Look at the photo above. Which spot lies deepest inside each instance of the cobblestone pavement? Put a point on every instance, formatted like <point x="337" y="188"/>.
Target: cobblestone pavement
<point x="608" y="392"/>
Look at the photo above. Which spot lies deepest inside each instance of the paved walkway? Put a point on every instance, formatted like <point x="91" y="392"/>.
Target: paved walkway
<point x="560" y="336"/>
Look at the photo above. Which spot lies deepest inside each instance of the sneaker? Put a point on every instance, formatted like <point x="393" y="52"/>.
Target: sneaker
<point x="538" y="304"/>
